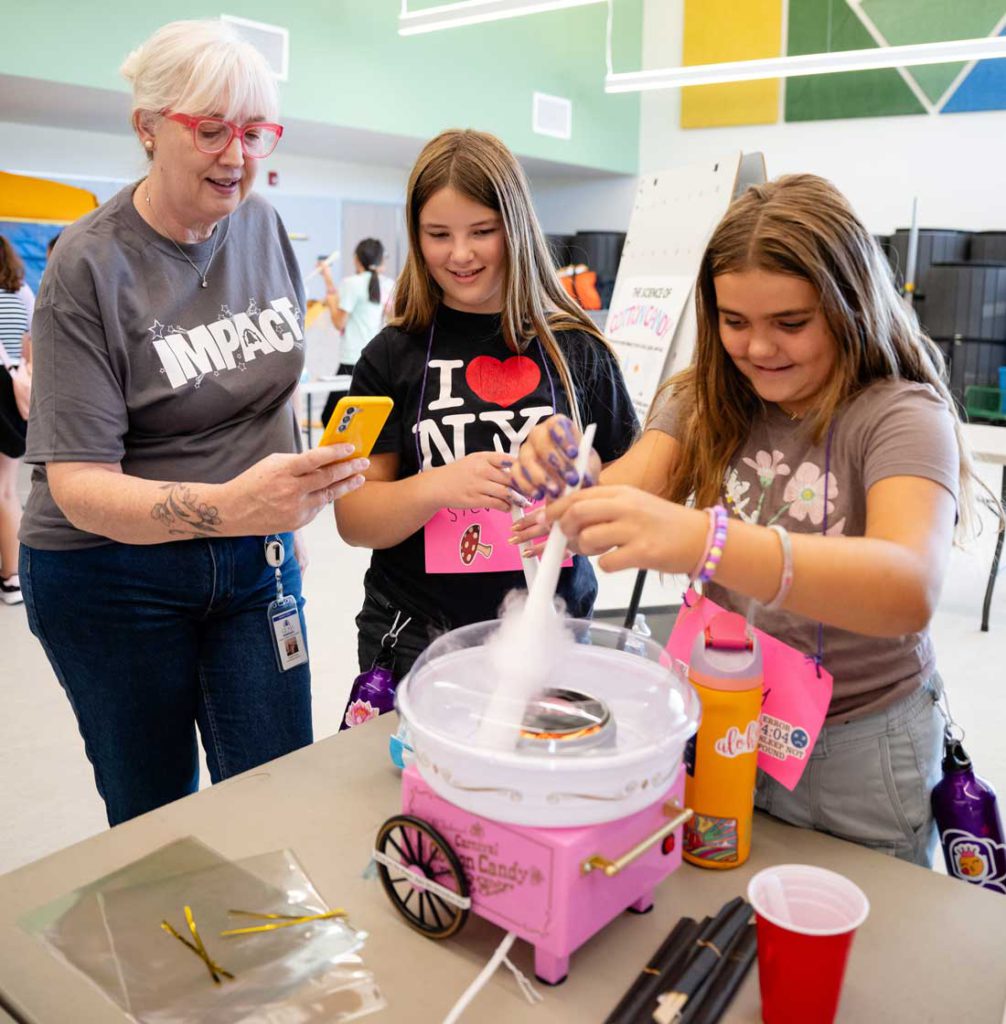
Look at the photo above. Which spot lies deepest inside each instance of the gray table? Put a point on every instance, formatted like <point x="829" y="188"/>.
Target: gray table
<point x="931" y="950"/>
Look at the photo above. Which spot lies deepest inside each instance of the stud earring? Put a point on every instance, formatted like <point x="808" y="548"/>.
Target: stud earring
<point x="148" y="145"/>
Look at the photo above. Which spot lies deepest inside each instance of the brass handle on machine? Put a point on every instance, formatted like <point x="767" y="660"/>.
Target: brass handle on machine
<point x="678" y="816"/>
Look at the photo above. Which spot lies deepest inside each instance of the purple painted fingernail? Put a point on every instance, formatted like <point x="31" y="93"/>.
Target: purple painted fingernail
<point x="506" y="463"/>
<point x="571" y="477"/>
<point x="539" y="493"/>
<point x="527" y="475"/>
<point x="572" y="451"/>
<point x="557" y="435"/>
<point x="588" y="480"/>
<point x="554" y="492"/>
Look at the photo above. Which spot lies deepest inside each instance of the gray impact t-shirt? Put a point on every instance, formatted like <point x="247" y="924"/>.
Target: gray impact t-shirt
<point x="892" y="428"/>
<point x="135" y="363"/>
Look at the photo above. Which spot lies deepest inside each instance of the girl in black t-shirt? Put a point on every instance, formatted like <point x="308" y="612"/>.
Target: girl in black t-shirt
<point x="484" y="344"/>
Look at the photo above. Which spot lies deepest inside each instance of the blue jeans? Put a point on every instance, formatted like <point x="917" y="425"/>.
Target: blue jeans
<point x="150" y="641"/>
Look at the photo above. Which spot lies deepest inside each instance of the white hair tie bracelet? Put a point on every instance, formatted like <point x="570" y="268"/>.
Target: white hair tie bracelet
<point x="786" y="580"/>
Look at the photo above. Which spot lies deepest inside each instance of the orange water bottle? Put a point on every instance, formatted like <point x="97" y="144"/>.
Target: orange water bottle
<point x="721" y="758"/>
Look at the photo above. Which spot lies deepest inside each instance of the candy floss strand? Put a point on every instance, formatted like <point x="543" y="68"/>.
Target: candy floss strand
<point x="530" y="639"/>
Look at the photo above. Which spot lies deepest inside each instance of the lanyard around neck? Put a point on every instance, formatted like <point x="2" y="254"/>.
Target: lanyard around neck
<point x="426" y="370"/>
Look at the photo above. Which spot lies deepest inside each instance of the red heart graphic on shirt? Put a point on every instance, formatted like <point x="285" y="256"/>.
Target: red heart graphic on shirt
<point x="502" y="383"/>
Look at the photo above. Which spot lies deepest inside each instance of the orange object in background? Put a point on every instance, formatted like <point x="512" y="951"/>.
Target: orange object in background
<point x="581" y="285"/>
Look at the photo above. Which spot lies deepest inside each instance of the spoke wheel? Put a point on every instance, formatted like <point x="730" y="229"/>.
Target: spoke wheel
<point x="421" y="850"/>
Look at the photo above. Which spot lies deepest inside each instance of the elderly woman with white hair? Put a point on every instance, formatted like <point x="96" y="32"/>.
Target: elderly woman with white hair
<point x="157" y="558"/>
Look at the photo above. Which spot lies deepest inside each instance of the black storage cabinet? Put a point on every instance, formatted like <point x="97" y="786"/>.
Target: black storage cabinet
<point x="601" y="251"/>
<point x="966" y="300"/>
<point x="561" y="249"/>
<point x="988" y="247"/>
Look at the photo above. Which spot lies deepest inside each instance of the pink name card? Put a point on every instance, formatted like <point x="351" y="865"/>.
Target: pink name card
<point x="795" y="699"/>
<point x="472" y="540"/>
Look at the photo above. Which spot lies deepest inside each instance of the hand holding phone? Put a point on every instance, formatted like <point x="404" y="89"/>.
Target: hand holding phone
<point x="358" y="421"/>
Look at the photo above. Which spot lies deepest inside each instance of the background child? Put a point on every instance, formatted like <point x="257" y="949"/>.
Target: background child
<point x="484" y="344"/>
<point x="814" y="405"/>
<point x="357" y="308"/>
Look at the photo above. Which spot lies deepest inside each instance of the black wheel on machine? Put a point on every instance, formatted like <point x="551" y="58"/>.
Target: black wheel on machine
<point x="420" y="850"/>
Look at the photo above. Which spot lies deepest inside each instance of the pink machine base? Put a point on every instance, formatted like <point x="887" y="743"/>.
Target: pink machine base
<point x="531" y="881"/>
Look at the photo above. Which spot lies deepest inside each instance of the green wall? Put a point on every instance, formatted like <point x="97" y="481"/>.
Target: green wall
<point x="350" y="67"/>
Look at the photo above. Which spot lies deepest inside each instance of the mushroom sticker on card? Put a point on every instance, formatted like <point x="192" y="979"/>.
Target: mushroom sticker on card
<point x="472" y="540"/>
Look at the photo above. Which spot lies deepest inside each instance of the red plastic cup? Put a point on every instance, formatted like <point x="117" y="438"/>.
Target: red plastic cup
<point x="806" y="918"/>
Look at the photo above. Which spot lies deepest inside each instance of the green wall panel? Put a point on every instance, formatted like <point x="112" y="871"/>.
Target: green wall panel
<point x="819" y="26"/>
<point x="350" y="67"/>
<point x="928" y="21"/>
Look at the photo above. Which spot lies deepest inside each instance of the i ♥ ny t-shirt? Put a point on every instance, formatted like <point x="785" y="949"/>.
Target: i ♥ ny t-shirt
<point x="478" y="395"/>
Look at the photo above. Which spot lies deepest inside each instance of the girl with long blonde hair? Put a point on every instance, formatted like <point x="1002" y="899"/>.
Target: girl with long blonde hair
<point x="484" y="344"/>
<point x="816" y="420"/>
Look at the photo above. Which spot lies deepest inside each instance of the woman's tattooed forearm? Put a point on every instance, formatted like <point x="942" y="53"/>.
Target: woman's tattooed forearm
<point x="184" y="514"/>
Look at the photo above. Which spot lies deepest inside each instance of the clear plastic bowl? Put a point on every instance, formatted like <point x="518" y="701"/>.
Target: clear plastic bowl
<point x="576" y="780"/>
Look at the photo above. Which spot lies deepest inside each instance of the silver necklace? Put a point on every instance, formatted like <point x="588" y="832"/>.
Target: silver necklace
<point x="201" y="273"/>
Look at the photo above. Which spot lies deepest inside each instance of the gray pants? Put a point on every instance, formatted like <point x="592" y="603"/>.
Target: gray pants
<point x="869" y="781"/>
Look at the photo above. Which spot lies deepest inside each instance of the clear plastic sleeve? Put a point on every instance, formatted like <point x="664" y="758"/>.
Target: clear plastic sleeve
<point x="111" y="932"/>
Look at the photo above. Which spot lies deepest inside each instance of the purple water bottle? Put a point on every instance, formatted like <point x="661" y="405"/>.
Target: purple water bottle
<point x="372" y="694"/>
<point x="967" y="818"/>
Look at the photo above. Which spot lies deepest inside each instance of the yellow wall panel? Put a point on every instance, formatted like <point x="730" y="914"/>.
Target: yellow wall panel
<point x="726" y="30"/>
<point x="38" y="199"/>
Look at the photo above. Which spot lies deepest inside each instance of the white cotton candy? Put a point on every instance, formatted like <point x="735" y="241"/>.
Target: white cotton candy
<point x="531" y="640"/>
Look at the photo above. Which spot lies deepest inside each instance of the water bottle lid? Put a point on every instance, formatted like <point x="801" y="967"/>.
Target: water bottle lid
<point x="955" y="757"/>
<point x="725" y="656"/>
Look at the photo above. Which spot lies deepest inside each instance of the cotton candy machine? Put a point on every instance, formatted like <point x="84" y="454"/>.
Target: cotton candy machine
<point x="574" y="820"/>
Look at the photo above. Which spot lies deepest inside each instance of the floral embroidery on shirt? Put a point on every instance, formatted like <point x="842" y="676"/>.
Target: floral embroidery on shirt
<point x="804" y="494"/>
<point x="768" y="466"/>
<point x="802" y="497"/>
<point x="735" y="491"/>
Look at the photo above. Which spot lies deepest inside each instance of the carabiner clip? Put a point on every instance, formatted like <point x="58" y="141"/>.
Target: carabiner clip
<point x="393" y="633"/>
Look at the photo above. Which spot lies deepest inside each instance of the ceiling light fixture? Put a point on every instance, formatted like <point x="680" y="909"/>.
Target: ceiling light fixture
<point x="472" y="12"/>
<point x="952" y="50"/>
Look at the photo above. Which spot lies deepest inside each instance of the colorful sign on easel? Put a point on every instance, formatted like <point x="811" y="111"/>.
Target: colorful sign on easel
<point x="641" y="323"/>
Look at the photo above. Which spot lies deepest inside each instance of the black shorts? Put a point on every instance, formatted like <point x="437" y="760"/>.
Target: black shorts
<point x="12" y="427"/>
<point x="345" y="369"/>
<point x="382" y="605"/>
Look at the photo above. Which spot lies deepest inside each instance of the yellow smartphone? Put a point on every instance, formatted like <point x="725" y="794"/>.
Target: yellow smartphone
<point x="357" y="420"/>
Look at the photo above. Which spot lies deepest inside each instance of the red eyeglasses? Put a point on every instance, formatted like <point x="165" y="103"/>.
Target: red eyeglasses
<point x="213" y="135"/>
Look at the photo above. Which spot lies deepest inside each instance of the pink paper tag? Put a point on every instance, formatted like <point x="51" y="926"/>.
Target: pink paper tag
<point x="794" y="701"/>
<point x="472" y="540"/>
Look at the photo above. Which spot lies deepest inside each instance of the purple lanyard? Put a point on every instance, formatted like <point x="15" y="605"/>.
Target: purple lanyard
<point x="818" y="658"/>
<point x="426" y="370"/>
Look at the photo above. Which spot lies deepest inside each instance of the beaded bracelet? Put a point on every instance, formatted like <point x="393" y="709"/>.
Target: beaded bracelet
<point x="694" y="574"/>
<point x="786" y="579"/>
<point x="716" y="541"/>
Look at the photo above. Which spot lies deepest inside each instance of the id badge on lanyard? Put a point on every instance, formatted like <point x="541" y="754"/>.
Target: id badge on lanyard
<point x="284" y="616"/>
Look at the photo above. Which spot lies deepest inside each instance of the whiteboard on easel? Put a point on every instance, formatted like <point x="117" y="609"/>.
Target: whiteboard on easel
<point x="651" y="320"/>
